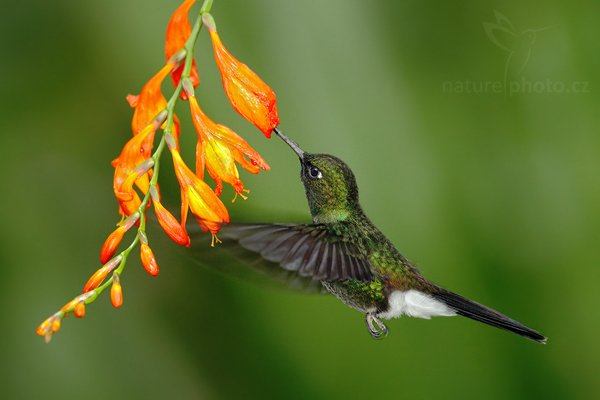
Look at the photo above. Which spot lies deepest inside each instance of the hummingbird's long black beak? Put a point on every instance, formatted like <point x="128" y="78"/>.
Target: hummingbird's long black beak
<point x="290" y="143"/>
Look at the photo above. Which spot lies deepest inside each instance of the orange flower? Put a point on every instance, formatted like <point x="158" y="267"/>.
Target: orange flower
<point x="206" y="207"/>
<point x="55" y="325"/>
<point x="44" y="328"/>
<point x="116" y="292"/>
<point x="131" y="156"/>
<point x="99" y="276"/>
<point x="114" y="239"/>
<point x="148" y="259"/>
<point x="219" y="148"/>
<point x="248" y="94"/>
<point x="80" y="310"/>
<point x="96" y="279"/>
<point x="132" y="167"/>
<point x="70" y="306"/>
<point x="170" y="225"/>
<point x="111" y="244"/>
<point x="148" y="106"/>
<point x="178" y="32"/>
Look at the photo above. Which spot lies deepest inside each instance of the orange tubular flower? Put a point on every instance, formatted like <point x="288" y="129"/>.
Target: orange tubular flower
<point x="178" y="32"/>
<point x="206" y="207"/>
<point x="219" y="148"/>
<point x="148" y="260"/>
<point x="131" y="156"/>
<point x="148" y="104"/>
<point x="248" y="94"/>
<point x="170" y="225"/>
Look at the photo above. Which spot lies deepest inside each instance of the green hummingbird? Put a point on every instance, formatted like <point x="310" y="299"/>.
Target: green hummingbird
<point x="346" y="253"/>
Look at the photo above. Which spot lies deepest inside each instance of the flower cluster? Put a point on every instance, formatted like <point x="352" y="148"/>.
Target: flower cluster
<point x="219" y="152"/>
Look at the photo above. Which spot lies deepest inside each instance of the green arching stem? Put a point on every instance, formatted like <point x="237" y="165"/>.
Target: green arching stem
<point x="206" y="7"/>
<point x="170" y="108"/>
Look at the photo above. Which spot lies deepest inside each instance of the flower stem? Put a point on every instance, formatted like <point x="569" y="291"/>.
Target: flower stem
<point x="91" y="296"/>
<point x="189" y="57"/>
<point x="206" y="7"/>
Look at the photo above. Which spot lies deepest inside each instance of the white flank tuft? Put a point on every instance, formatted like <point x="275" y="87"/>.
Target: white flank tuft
<point x="415" y="304"/>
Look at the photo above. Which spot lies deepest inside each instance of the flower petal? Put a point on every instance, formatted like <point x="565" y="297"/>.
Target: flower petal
<point x="252" y="98"/>
<point x="178" y="32"/>
<point x="196" y="194"/>
<point x="170" y="225"/>
<point x="150" y="102"/>
<point x="219" y="148"/>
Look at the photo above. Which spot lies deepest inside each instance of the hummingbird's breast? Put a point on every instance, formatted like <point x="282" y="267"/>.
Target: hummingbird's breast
<point x="392" y="273"/>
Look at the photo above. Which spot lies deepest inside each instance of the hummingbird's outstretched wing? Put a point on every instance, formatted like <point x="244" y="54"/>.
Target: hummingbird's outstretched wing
<point x="233" y="260"/>
<point x="310" y="251"/>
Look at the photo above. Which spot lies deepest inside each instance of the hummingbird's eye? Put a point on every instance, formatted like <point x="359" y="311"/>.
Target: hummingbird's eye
<point x="314" y="173"/>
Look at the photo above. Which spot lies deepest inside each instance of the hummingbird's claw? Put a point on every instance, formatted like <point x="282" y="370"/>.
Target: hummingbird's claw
<point x="377" y="329"/>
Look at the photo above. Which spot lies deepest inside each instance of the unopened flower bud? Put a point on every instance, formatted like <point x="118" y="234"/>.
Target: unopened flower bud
<point x="171" y="226"/>
<point x="148" y="260"/>
<point x="44" y="327"/>
<point x="80" y="310"/>
<point x="55" y="325"/>
<point x="116" y="292"/>
<point x="111" y="244"/>
<point x="99" y="276"/>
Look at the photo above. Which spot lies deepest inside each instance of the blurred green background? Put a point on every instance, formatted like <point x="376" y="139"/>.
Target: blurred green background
<point x="494" y="195"/>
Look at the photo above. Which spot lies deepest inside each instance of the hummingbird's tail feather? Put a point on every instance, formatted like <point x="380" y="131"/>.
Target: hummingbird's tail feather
<point x="481" y="313"/>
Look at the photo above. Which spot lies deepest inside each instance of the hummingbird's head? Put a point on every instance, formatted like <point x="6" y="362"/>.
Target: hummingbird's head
<point x="329" y="184"/>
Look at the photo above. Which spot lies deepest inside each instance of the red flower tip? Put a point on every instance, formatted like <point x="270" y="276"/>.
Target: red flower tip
<point x="148" y="260"/>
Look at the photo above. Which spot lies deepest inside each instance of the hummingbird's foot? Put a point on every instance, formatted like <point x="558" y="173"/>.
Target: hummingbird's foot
<point x="377" y="329"/>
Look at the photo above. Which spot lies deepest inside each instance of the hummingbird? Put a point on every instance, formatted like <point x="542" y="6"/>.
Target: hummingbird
<point x="353" y="260"/>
